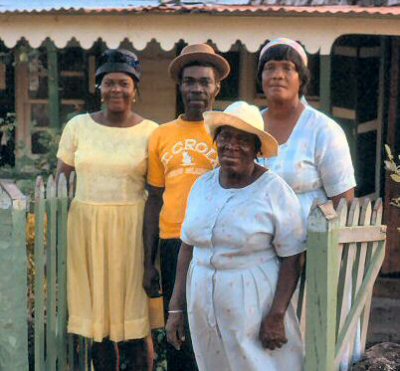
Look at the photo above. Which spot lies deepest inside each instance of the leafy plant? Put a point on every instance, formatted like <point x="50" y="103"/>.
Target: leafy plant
<point x="391" y="165"/>
<point x="47" y="162"/>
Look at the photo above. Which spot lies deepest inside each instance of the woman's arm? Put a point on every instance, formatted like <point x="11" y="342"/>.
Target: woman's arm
<point x="348" y="195"/>
<point x="63" y="168"/>
<point x="272" y="331"/>
<point x="175" y="324"/>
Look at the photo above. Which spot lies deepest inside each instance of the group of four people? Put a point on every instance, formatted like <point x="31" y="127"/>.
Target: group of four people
<point x="206" y="190"/>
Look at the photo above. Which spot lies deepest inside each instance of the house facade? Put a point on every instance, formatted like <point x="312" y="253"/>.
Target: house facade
<point x="48" y="59"/>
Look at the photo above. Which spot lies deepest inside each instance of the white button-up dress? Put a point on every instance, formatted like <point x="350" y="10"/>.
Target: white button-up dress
<point x="238" y="235"/>
<point x="315" y="161"/>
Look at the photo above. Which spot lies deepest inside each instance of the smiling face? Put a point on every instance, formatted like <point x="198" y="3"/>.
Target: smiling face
<point x="236" y="150"/>
<point x="280" y="81"/>
<point x="198" y="88"/>
<point x="118" y="91"/>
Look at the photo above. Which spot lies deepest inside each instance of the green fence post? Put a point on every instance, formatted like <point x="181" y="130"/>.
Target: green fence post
<point x="321" y="278"/>
<point x="13" y="282"/>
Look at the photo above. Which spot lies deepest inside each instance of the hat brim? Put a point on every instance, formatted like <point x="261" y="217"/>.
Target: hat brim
<point x="216" y="60"/>
<point x="213" y="120"/>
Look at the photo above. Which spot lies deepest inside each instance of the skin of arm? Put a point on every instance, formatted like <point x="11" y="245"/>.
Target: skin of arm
<point x="348" y="195"/>
<point x="176" y="321"/>
<point x="272" y="331"/>
<point x="150" y="239"/>
<point x="63" y="168"/>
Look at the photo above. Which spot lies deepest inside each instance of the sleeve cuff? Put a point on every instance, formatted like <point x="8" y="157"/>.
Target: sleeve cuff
<point x="340" y="187"/>
<point x="66" y="158"/>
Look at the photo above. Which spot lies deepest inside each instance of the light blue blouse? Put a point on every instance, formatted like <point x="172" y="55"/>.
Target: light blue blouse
<point x="315" y="161"/>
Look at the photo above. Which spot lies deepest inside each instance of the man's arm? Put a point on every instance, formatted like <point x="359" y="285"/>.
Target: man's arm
<point x="150" y="238"/>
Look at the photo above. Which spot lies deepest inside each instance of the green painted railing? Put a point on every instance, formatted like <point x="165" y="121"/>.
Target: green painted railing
<point x="13" y="273"/>
<point x="54" y="349"/>
<point x="344" y="254"/>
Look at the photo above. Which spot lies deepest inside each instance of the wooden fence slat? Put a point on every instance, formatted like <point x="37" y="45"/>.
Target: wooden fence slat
<point x="13" y="281"/>
<point x="62" y="198"/>
<point x="322" y="265"/>
<point x="51" y="270"/>
<point x="342" y="210"/>
<point x="361" y="234"/>
<point x="358" y="275"/>
<point x="376" y="220"/>
<point x="39" y="209"/>
<point x="359" y="302"/>
<point x="348" y="261"/>
<point x="347" y="265"/>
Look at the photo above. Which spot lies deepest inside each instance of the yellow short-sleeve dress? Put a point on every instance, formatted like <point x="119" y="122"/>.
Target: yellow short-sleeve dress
<point x="105" y="244"/>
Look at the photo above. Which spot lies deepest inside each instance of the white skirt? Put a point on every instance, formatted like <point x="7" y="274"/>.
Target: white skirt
<point x="225" y="309"/>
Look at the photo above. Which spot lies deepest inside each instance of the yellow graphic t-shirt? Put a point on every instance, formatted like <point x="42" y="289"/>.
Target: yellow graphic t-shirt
<point x="179" y="152"/>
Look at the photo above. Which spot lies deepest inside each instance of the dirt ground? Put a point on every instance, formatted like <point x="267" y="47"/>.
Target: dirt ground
<point x="384" y="322"/>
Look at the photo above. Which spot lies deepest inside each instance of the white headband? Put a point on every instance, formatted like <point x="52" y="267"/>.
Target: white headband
<point x="285" y="41"/>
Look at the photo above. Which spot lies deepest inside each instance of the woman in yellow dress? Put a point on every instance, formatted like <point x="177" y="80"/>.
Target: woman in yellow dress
<point x="108" y="151"/>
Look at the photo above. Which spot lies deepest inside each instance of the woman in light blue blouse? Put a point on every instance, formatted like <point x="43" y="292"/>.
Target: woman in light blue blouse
<point x="314" y="156"/>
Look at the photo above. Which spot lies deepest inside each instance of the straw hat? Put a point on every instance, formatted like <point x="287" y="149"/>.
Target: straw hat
<point x="245" y="117"/>
<point x="198" y="53"/>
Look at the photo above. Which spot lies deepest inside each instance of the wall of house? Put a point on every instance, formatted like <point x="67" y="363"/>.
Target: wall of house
<point x="157" y="100"/>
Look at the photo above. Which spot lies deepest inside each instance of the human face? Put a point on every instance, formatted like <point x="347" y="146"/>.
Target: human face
<point x="118" y="91"/>
<point x="280" y="81"/>
<point x="198" y="88"/>
<point x="236" y="150"/>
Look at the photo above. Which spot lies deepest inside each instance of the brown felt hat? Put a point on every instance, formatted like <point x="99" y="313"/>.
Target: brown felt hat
<point x="198" y="53"/>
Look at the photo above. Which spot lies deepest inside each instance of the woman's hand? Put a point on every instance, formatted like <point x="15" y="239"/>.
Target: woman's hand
<point x="151" y="281"/>
<point x="272" y="332"/>
<point x="176" y="329"/>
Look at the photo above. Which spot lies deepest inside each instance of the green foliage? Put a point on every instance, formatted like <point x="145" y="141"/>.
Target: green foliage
<point x="391" y="165"/>
<point x="28" y="167"/>
<point x="160" y="341"/>
<point x="47" y="162"/>
<point x="7" y="126"/>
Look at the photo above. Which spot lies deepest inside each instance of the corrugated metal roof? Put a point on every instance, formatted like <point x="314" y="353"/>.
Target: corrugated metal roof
<point x="284" y="7"/>
<point x="56" y="5"/>
<point x="287" y="10"/>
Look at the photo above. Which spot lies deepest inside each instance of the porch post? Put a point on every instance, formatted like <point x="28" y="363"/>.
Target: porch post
<point x="13" y="283"/>
<point x="325" y="83"/>
<point x="53" y="87"/>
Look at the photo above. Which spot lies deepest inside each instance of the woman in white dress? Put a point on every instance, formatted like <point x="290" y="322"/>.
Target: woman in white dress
<point x="243" y="237"/>
<point x="314" y="156"/>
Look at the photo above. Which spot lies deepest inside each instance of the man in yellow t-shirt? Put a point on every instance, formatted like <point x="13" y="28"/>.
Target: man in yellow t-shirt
<point x="179" y="152"/>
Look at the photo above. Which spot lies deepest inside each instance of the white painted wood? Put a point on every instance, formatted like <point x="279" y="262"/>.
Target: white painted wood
<point x="317" y="32"/>
<point x="362" y="234"/>
<point x="366" y="127"/>
<point x="344" y="113"/>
